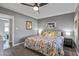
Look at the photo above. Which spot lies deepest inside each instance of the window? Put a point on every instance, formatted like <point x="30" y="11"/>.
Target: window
<point x="6" y="27"/>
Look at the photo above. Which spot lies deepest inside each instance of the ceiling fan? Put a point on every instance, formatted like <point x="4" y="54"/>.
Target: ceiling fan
<point x="35" y="5"/>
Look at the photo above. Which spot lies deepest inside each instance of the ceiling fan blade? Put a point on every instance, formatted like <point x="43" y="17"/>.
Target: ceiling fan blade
<point x="26" y="4"/>
<point x="42" y="4"/>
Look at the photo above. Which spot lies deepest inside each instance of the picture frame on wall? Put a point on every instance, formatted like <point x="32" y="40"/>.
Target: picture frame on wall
<point x="28" y="25"/>
<point x="51" y="24"/>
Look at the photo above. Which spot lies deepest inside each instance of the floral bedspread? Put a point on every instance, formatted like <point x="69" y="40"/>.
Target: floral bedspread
<point x="44" y="45"/>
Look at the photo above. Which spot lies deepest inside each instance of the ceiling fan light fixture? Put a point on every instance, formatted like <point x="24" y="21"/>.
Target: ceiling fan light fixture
<point x="35" y="8"/>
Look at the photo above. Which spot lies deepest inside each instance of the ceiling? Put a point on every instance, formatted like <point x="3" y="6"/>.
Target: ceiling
<point x="51" y="9"/>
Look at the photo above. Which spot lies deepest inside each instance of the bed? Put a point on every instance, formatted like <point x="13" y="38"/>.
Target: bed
<point x="43" y="43"/>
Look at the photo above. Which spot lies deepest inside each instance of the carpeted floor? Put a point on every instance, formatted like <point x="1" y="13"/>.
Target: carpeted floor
<point x="21" y="51"/>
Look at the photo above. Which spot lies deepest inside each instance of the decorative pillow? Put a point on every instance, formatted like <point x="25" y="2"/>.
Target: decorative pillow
<point x="44" y="33"/>
<point x="51" y="34"/>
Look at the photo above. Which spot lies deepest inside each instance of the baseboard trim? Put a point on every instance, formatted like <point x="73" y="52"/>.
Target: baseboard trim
<point x="18" y="44"/>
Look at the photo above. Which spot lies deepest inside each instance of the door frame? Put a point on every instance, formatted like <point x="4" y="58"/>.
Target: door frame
<point x="10" y="18"/>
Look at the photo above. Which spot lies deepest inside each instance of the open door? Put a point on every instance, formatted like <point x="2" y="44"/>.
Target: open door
<point x="7" y="30"/>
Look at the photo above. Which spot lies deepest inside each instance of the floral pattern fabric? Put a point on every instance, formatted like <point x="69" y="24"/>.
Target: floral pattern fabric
<point x="44" y="45"/>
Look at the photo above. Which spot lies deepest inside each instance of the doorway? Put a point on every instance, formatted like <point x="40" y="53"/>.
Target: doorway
<point x="7" y="30"/>
<point x="6" y="36"/>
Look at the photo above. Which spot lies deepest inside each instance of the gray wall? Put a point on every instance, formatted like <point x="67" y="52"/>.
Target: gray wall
<point x="20" y="26"/>
<point x="1" y="27"/>
<point x="63" y="22"/>
<point x="10" y="30"/>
